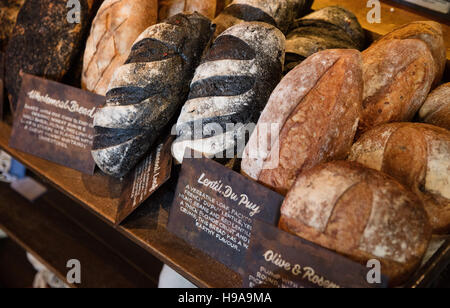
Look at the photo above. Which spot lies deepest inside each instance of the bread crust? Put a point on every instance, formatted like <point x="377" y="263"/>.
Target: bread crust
<point x="436" y="110"/>
<point x="115" y="28"/>
<point x="360" y="213"/>
<point x="169" y="8"/>
<point x="418" y="156"/>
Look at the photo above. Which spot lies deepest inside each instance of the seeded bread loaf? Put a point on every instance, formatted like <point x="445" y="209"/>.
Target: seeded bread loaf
<point x="229" y="90"/>
<point x="148" y="90"/>
<point x="436" y="110"/>
<point x="117" y="25"/>
<point x="9" y="9"/>
<point x="418" y="156"/>
<point x="314" y="112"/>
<point x="360" y="213"/>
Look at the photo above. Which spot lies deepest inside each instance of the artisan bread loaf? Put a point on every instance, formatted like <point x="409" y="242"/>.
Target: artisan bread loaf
<point x="117" y="25"/>
<point x="147" y="91"/>
<point x="398" y="75"/>
<point x="436" y="109"/>
<point x="229" y="90"/>
<point x="417" y="155"/>
<point x="9" y="9"/>
<point x="44" y="43"/>
<point x="430" y="33"/>
<point x="360" y="213"/>
<point x="169" y="8"/>
<point x="279" y="13"/>
<point x="315" y="112"/>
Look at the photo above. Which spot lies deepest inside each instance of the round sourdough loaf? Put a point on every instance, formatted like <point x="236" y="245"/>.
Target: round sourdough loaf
<point x="418" y="156"/>
<point x="436" y="109"/>
<point x="360" y="213"/>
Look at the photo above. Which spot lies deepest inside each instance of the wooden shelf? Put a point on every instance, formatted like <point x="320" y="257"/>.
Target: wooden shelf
<point x="146" y="227"/>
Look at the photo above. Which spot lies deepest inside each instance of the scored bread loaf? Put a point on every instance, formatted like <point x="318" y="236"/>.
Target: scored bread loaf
<point x="117" y="25"/>
<point x="360" y="213"/>
<point x="169" y="8"/>
<point x="398" y="75"/>
<point x="279" y="13"/>
<point x="316" y="109"/>
<point x="148" y="90"/>
<point x="9" y="9"/>
<point x="430" y="33"/>
<point x="436" y="109"/>
<point x="44" y="43"/>
<point x="417" y="155"/>
<point x="229" y="90"/>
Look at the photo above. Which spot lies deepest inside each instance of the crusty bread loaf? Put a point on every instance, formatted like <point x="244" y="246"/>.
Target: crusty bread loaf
<point x="117" y="25"/>
<point x="430" y="33"/>
<point x="317" y="109"/>
<point x="279" y="13"/>
<point x="436" y="109"/>
<point x="169" y="8"/>
<point x="360" y="213"/>
<point x="9" y="9"/>
<point x="148" y="90"/>
<point x="229" y="90"/>
<point x="398" y="75"/>
<point x="417" y="155"/>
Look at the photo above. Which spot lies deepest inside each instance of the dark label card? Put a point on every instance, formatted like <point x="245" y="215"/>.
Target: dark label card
<point x="277" y="259"/>
<point x="55" y="122"/>
<point x="146" y="178"/>
<point x="214" y="210"/>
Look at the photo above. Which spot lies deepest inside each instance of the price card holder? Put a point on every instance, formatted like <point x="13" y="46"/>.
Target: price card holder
<point x="214" y="210"/>
<point x="438" y="8"/>
<point x="55" y="122"/>
<point x="277" y="259"/>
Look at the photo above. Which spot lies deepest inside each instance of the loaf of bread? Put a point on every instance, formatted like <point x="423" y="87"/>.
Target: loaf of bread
<point x="398" y="75"/>
<point x="117" y="25"/>
<point x="329" y="28"/>
<point x="9" y="9"/>
<point x="169" y="8"/>
<point x="430" y="33"/>
<point x="418" y="156"/>
<point x="147" y="91"/>
<point x="44" y="43"/>
<point x="229" y="90"/>
<point x="360" y="213"/>
<point x="315" y="112"/>
<point x="436" y="109"/>
<point x="279" y="13"/>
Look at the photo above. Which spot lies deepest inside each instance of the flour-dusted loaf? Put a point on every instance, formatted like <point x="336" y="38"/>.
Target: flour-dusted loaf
<point x="398" y="76"/>
<point x="229" y="90"/>
<point x="44" y="43"/>
<point x="117" y="25"/>
<point x="280" y="13"/>
<point x="329" y="28"/>
<point x="417" y="155"/>
<point x="315" y="112"/>
<point x="430" y="33"/>
<point x="360" y="213"/>
<point x="436" y="109"/>
<point x="148" y="90"/>
<point x="9" y="9"/>
<point x="169" y="8"/>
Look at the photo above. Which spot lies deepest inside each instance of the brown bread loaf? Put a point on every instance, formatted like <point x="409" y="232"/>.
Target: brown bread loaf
<point x="317" y="108"/>
<point x="417" y="155"/>
<point x="430" y="33"/>
<point x="117" y="25"/>
<point x="9" y="9"/>
<point x="398" y="75"/>
<point x="360" y="213"/>
<point x="169" y="8"/>
<point x="436" y="109"/>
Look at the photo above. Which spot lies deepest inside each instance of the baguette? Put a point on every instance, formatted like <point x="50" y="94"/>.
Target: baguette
<point x="436" y="110"/>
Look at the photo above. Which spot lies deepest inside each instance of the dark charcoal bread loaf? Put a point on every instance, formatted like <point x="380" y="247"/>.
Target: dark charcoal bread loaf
<point x="330" y="28"/>
<point x="9" y="9"/>
<point x="279" y="13"/>
<point x="147" y="90"/>
<point x="231" y="86"/>
<point x="44" y="43"/>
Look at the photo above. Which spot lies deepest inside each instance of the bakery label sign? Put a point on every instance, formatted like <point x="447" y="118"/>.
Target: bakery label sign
<point x="55" y="122"/>
<point x="214" y="210"/>
<point x="277" y="259"/>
